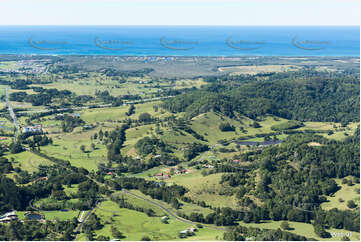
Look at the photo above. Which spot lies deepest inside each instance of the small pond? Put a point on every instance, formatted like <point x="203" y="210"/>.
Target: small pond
<point x="33" y="216"/>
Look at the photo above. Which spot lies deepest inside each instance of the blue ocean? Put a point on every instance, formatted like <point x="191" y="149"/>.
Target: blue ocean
<point x="181" y="40"/>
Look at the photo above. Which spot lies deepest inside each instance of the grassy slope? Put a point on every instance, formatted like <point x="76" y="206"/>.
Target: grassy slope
<point x="204" y="188"/>
<point x="346" y="193"/>
<point x="134" y="225"/>
<point x="187" y="208"/>
<point x="301" y="229"/>
<point x="28" y="161"/>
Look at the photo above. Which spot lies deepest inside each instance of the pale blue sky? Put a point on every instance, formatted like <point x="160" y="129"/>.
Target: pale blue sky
<point x="179" y="12"/>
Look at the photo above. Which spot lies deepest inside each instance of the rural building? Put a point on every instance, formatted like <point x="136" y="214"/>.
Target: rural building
<point x="192" y="230"/>
<point x="74" y="115"/>
<point x="33" y="129"/>
<point x="165" y="218"/>
<point x="187" y="232"/>
<point x="182" y="171"/>
<point x="8" y="217"/>
<point x="208" y="166"/>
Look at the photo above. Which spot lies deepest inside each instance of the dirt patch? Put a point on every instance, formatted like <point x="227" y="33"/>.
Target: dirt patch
<point x="314" y="144"/>
<point x="132" y="152"/>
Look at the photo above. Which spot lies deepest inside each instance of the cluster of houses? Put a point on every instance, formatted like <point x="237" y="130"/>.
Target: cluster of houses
<point x="162" y="175"/>
<point x="8" y="217"/>
<point x="208" y="166"/>
<point x="33" y="129"/>
<point x="73" y="115"/>
<point x="178" y="171"/>
<point x="181" y="171"/>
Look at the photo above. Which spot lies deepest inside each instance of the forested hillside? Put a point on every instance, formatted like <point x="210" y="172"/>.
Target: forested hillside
<point x="299" y="96"/>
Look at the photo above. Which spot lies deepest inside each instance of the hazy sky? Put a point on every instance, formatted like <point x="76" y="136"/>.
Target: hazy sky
<point x="180" y="12"/>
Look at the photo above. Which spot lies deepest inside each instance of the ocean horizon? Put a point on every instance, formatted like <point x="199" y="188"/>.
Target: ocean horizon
<point x="181" y="40"/>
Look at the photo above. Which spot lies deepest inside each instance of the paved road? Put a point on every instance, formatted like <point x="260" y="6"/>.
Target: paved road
<point x="77" y="230"/>
<point x="147" y="100"/>
<point x="12" y="115"/>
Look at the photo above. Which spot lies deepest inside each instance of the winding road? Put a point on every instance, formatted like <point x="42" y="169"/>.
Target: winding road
<point x="12" y="115"/>
<point x="169" y="212"/>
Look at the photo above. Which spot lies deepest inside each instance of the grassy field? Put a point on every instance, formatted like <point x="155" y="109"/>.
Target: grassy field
<point x="134" y="225"/>
<point x="203" y="123"/>
<point x="346" y="193"/>
<point x="186" y="208"/>
<point x="60" y="215"/>
<point x="252" y="70"/>
<point x="103" y="114"/>
<point x="204" y="188"/>
<point x="67" y="147"/>
<point x="28" y="161"/>
<point x="303" y="229"/>
<point x="8" y="65"/>
<point x="339" y="132"/>
<point x="52" y="215"/>
<point x="141" y="203"/>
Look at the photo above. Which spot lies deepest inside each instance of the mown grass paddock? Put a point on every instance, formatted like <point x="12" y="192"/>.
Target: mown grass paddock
<point x="346" y="193"/>
<point x="134" y="225"/>
<point x="304" y="229"/>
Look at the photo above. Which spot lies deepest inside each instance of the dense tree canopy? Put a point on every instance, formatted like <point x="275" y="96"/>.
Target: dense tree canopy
<point x="299" y="96"/>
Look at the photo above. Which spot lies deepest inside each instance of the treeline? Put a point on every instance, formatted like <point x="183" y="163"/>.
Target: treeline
<point x="35" y="230"/>
<point x="43" y="97"/>
<point x="151" y="145"/>
<point x="119" y="73"/>
<point x="69" y="122"/>
<point x="169" y="194"/>
<point x="242" y="233"/>
<point x="194" y="149"/>
<point x="122" y="203"/>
